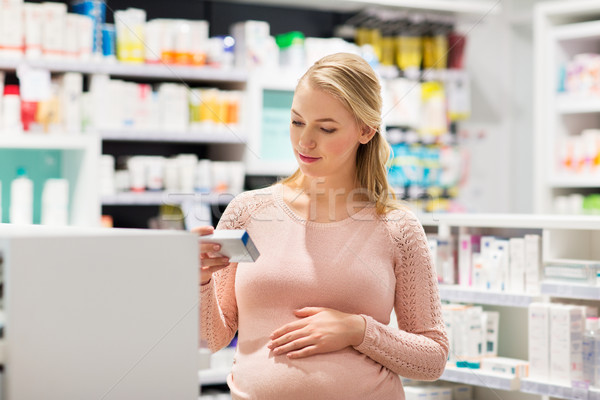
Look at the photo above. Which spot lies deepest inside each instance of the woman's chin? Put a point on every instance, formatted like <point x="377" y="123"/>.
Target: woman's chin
<point x="309" y="172"/>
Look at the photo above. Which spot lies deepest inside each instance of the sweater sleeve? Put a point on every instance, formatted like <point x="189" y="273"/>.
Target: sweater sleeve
<point x="419" y="348"/>
<point x="218" y="304"/>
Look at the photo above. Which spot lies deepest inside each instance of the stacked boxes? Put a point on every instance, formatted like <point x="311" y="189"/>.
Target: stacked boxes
<point x="491" y="263"/>
<point x="556" y="341"/>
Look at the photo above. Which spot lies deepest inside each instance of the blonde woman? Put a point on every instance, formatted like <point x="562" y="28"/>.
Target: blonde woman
<point x="338" y="254"/>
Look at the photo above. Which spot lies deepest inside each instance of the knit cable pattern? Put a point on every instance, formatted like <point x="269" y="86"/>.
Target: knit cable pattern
<point x="419" y="349"/>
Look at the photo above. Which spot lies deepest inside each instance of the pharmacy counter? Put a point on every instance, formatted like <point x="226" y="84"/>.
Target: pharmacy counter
<point x="99" y="313"/>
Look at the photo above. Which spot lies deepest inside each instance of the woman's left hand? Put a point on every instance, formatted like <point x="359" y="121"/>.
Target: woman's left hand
<point x="320" y="330"/>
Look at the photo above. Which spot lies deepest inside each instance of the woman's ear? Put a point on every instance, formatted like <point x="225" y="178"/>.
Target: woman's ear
<point x="367" y="134"/>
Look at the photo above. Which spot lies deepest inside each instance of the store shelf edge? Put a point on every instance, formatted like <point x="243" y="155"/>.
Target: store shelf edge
<point x="480" y="378"/>
<point x="160" y="71"/>
<point x="466" y="295"/>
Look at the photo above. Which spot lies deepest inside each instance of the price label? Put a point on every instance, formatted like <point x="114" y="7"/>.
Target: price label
<point x="580" y="390"/>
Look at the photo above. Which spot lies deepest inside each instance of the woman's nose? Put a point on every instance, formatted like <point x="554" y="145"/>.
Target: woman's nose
<point x="307" y="140"/>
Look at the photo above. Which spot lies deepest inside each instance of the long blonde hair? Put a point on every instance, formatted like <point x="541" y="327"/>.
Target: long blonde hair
<point x="351" y="79"/>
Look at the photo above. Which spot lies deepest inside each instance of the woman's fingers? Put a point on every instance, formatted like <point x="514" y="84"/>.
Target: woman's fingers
<point x="206" y="247"/>
<point x="298" y="342"/>
<point x="210" y="260"/>
<point x="204" y="230"/>
<point x="209" y="247"/>
<point x="304" y="352"/>
<point x="214" y="261"/>
<point x="292" y="326"/>
<point x="288" y="334"/>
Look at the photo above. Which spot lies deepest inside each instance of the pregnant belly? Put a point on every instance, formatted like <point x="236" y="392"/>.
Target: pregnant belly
<point x="346" y="374"/>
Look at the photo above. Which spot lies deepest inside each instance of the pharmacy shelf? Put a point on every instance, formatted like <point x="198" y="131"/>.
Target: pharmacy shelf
<point x="557" y="391"/>
<point x="466" y="295"/>
<point x="46" y="141"/>
<point x="570" y="290"/>
<point x="562" y="29"/>
<point x="480" y="378"/>
<point x="213" y="376"/>
<point x="516" y="221"/>
<point x="581" y="30"/>
<point x="161" y="197"/>
<point x="569" y="104"/>
<point x="225" y="135"/>
<point x="452" y="6"/>
<point x="158" y="71"/>
<point x="566" y="181"/>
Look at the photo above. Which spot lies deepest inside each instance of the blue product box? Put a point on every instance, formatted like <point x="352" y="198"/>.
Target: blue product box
<point x="95" y="9"/>
<point x="109" y="40"/>
<point x="235" y="244"/>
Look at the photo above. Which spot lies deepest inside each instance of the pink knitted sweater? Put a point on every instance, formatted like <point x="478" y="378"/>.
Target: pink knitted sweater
<point x="365" y="264"/>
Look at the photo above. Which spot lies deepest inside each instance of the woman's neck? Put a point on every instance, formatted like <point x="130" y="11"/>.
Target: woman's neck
<point x="323" y="188"/>
<point x="320" y="200"/>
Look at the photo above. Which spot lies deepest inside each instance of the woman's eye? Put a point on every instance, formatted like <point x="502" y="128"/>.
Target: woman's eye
<point x="296" y="123"/>
<point x="328" y="130"/>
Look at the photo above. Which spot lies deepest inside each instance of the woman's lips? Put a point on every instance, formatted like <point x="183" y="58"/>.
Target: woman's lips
<point x="308" y="159"/>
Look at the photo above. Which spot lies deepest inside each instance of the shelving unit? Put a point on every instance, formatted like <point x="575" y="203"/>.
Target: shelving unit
<point x="225" y="135"/>
<point x="516" y="221"/>
<point x="77" y="156"/>
<point x="561" y="31"/>
<point x="582" y="30"/>
<point x="565" y="181"/>
<point x="47" y="141"/>
<point x="222" y="135"/>
<point x="162" y="197"/>
<point x="566" y="104"/>
<point x="158" y="71"/>
<point x="458" y="7"/>
<point x="80" y="154"/>
<point x="563" y="237"/>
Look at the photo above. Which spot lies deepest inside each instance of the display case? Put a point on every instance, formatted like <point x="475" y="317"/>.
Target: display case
<point x="566" y="106"/>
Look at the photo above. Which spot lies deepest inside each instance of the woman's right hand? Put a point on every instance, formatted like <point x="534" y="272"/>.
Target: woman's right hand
<point x="210" y="259"/>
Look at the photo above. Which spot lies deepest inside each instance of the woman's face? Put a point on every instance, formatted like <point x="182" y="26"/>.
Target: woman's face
<point x="324" y="134"/>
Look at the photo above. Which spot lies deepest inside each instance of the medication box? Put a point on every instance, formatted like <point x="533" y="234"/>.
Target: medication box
<point x="235" y="244"/>
<point x="566" y="334"/>
<point x="533" y="263"/>
<point x="539" y="340"/>
<point x="507" y="366"/>
<point x="469" y="244"/>
<point x="462" y="392"/>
